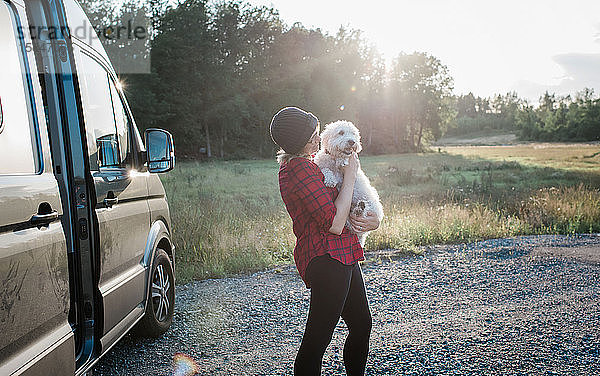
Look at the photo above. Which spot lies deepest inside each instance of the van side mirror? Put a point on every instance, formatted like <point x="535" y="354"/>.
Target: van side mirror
<point x="159" y="150"/>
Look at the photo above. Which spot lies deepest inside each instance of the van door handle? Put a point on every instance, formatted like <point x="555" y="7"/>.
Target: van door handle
<point x="39" y="219"/>
<point x="110" y="200"/>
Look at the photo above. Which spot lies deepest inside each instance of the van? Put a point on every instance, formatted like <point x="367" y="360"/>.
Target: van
<point x="85" y="233"/>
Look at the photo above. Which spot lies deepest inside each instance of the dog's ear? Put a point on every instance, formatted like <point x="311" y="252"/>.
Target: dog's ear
<point x="357" y="133"/>
<point x="326" y="135"/>
<point x="359" y="147"/>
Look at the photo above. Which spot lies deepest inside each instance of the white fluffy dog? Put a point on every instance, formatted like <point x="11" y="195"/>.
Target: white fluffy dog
<point x="338" y="140"/>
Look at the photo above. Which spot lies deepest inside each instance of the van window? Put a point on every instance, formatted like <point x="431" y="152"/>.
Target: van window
<point x="106" y="147"/>
<point x="122" y="122"/>
<point x="17" y="145"/>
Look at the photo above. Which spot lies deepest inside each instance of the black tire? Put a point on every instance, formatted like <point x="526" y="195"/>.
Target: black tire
<point x="161" y="299"/>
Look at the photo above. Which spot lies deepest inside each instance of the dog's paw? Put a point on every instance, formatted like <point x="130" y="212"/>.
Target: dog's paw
<point x="358" y="208"/>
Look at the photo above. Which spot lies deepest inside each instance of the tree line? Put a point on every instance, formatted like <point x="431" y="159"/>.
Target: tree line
<point x="554" y="118"/>
<point x="220" y="70"/>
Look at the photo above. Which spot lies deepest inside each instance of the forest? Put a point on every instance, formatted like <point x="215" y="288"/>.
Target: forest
<point x="220" y="70"/>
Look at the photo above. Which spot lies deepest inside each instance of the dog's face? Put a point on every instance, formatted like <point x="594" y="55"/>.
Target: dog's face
<point x="340" y="139"/>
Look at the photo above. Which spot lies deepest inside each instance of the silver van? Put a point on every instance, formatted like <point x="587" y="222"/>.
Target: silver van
<point x="85" y="234"/>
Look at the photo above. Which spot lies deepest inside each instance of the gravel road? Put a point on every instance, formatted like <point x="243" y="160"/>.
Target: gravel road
<point x="518" y="306"/>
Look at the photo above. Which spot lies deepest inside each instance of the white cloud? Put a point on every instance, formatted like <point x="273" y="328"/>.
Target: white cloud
<point x="580" y="71"/>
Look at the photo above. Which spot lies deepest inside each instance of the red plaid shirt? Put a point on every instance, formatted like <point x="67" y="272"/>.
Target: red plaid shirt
<point x="310" y="204"/>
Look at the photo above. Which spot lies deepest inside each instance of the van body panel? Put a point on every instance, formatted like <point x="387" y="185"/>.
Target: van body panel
<point x="119" y="295"/>
<point x="124" y="226"/>
<point x="54" y="355"/>
<point x="34" y="294"/>
<point x="34" y="297"/>
<point x="119" y="330"/>
<point x="155" y="187"/>
<point x="159" y="212"/>
<point x="22" y="195"/>
<point x="157" y="201"/>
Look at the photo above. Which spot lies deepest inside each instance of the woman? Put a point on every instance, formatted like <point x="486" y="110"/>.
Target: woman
<point x="326" y="252"/>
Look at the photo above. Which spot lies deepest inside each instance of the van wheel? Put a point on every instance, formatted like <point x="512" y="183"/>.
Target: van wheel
<point x="159" y="309"/>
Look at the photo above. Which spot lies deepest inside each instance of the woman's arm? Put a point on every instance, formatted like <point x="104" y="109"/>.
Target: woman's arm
<point x="344" y="198"/>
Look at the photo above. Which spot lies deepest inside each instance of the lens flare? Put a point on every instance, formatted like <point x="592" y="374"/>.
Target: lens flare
<point x="184" y="365"/>
<point x="342" y="108"/>
<point x="353" y="89"/>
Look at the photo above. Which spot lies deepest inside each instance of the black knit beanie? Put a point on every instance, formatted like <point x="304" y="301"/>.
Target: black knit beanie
<point x="291" y="128"/>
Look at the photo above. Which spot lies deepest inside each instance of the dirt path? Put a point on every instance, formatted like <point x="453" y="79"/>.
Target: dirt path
<point x="529" y="305"/>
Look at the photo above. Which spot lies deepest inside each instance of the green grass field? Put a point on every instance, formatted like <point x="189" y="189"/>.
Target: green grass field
<point x="228" y="216"/>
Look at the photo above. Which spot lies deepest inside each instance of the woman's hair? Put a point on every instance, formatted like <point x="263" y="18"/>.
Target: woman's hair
<point x="283" y="157"/>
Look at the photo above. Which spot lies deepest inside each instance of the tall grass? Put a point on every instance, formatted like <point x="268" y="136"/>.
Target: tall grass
<point x="228" y="217"/>
<point x="566" y="210"/>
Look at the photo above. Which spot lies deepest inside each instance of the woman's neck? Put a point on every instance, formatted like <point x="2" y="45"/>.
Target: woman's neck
<point x="283" y="157"/>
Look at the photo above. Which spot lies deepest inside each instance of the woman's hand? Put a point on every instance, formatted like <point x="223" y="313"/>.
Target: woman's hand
<point x="352" y="166"/>
<point x="364" y="224"/>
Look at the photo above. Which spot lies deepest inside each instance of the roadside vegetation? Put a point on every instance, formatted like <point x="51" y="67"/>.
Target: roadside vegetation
<point x="228" y="216"/>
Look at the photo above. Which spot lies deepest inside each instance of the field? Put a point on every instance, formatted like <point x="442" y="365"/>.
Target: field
<point x="228" y="216"/>
<point x="484" y="137"/>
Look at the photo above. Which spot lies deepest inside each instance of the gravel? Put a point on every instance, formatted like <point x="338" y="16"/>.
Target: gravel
<point x="517" y="306"/>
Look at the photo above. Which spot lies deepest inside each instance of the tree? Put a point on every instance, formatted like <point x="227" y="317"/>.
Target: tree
<point x="422" y="87"/>
<point x="183" y="61"/>
<point x="466" y="106"/>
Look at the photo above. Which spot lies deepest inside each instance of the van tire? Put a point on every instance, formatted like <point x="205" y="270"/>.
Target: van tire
<point x="157" y="318"/>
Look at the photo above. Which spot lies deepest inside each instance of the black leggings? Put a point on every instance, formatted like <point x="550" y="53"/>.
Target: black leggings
<point x="336" y="290"/>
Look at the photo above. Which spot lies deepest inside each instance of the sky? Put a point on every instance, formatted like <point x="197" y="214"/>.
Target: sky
<point x="490" y="47"/>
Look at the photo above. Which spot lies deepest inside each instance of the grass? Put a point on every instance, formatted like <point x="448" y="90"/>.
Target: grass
<point x="566" y="157"/>
<point x="228" y="216"/>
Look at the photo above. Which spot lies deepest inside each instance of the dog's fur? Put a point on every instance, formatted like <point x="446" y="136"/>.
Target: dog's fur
<point x="338" y="140"/>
